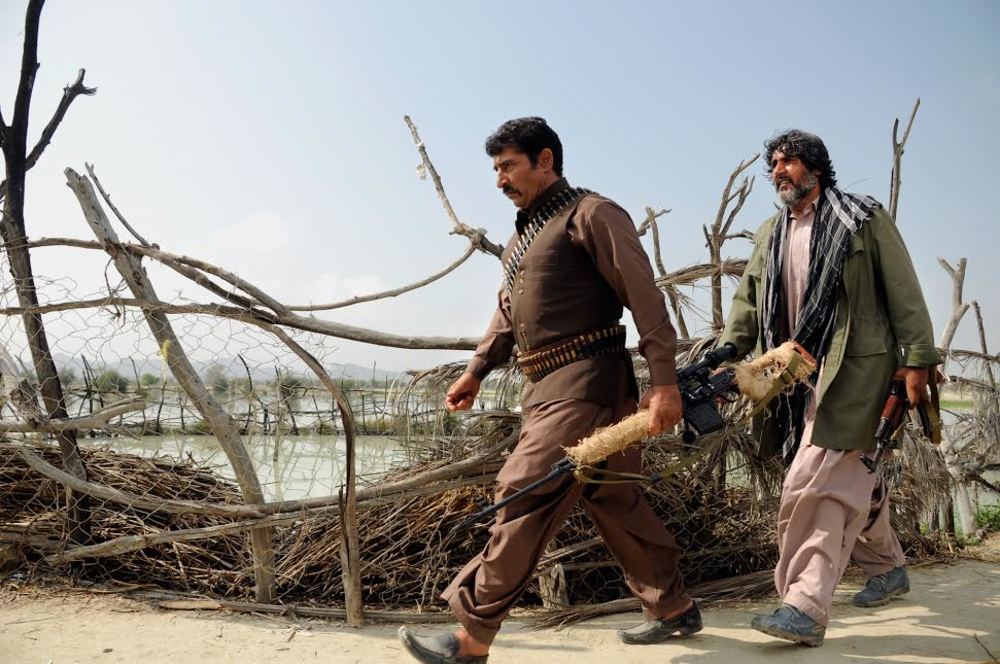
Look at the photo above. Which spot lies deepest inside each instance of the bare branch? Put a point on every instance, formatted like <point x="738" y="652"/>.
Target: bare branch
<point x="293" y="610"/>
<point x="649" y="224"/>
<point x="177" y="262"/>
<point x="958" y="308"/>
<point x="389" y="293"/>
<point x="897" y="159"/>
<point x="743" y="194"/>
<point x="986" y="483"/>
<point x="477" y="236"/>
<point x="70" y="93"/>
<point x="982" y="344"/>
<point x="134" y="500"/>
<point x="350" y="562"/>
<point x="971" y="354"/>
<point x="12" y="229"/>
<point x="726" y="198"/>
<point x="29" y="67"/>
<point x="675" y="304"/>
<point x="126" y="543"/>
<point x="209" y="285"/>
<point x="307" y="324"/>
<point x="63" y="242"/>
<point x="93" y="421"/>
<point x="651" y="216"/>
<point x="219" y="421"/>
<point x="957" y="277"/>
<point x="107" y="200"/>
<point x="253" y="316"/>
<point x="366" y="497"/>
<point x="174" y="260"/>
<point x="657" y="252"/>
<point x="947" y="449"/>
<point x="715" y="238"/>
<point x="692" y="273"/>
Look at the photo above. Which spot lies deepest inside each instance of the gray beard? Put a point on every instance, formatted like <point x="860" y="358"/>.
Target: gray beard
<point x="798" y="192"/>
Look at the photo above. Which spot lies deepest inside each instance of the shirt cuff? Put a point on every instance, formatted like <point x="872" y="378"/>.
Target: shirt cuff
<point x="920" y="355"/>
<point x="663" y="372"/>
<point x="478" y="367"/>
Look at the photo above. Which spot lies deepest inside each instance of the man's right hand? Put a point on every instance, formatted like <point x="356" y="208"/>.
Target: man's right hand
<point x="462" y="393"/>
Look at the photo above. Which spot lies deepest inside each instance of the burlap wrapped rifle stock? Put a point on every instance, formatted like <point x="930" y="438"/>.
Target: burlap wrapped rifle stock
<point x="758" y="381"/>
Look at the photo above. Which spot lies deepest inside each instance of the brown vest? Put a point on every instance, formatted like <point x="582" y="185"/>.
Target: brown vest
<point x="558" y="293"/>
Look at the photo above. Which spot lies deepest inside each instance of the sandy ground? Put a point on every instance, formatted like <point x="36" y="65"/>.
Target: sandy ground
<point x="951" y="615"/>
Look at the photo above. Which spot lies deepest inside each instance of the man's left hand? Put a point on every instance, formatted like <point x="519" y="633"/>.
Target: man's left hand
<point x="664" y="404"/>
<point x="915" y="379"/>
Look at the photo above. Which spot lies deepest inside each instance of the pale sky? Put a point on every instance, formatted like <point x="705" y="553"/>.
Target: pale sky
<point x="268" y="137"/>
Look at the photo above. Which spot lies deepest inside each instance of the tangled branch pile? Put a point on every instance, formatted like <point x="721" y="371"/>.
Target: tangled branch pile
<point x="408" y="550"/>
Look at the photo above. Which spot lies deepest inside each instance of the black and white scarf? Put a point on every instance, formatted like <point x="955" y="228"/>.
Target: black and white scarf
<point x="838" y="216"/>
<point x="533" y="226"/>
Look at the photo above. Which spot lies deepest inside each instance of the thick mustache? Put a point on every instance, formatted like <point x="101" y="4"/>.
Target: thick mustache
<point x="508" y="190"/>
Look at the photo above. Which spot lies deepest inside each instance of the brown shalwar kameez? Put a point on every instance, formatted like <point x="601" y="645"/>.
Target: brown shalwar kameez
<point x="576" y="276"/>
<point x="829" y="503"/>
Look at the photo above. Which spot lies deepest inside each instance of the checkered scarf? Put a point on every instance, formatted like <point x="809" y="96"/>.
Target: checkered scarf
<point x="839" y="215"/>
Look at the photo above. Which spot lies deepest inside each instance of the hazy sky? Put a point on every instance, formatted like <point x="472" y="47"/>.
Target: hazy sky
<point x="268" y="137"/>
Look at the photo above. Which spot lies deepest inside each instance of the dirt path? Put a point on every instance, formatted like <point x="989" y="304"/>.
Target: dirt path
<point x="952" y="615"/>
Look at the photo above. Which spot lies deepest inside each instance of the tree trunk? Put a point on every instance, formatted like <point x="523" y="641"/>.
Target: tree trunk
<point x="13" y="141"/>
<point x="221" y="424"/>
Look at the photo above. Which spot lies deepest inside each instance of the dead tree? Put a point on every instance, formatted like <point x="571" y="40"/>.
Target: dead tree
<point x="221" y="423"/>
<point x="673" y="295"/>
<point x="966" y="513"/>
<point x="17" y="161"/>
<point x="898" y="147"/>
<point x="719" y="233"/>
<point x="476" y="236"/>
<point x="958" y="307"/>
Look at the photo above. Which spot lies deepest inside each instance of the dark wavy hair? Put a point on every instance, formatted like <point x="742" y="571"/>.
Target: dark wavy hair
<point x="530" y="136"/>
<point x="810" y="150"/>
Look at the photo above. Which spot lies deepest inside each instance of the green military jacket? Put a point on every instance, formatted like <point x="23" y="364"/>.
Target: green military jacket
<point x="882" y="324"/>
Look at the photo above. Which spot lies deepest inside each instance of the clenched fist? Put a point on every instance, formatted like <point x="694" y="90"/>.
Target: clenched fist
<point x="664" y="404"/>
<point x="462" y="393"/>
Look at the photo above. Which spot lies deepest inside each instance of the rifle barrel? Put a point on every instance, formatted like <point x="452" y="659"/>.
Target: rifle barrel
<point x="560" y="468"/>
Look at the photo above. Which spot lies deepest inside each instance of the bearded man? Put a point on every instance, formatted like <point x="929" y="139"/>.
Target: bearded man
<point x="830" y="271"/>
<point x="572" y="264"/>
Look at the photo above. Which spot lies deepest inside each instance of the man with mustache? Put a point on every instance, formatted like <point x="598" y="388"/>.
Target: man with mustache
<point x="572" y="264"/>
<point x="830" y="271"/>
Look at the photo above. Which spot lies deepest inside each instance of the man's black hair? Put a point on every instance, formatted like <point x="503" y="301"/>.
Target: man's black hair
<point x="530" y="136"/>
<point x="810" y="150"/>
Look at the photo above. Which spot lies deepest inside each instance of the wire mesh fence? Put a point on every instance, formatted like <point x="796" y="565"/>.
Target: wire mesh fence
<point x="158" y="498"/>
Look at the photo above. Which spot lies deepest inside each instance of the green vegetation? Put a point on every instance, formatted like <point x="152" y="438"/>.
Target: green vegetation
<point x="111" y="381"/>
<point x="201" y="427"/>
<point x="216" y="379"/>
<point x="241" y="386"/>
<point x="148" y="380"/>
<point x="379" y="426"/>
<point x="450" y="423"/>
<point x="67" y="376"/>
<point x="988" y="516"/>
<point x="288" y="384"/>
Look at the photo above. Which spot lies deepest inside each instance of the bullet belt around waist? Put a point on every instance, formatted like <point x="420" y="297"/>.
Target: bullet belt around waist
<point x="538" y="364"/>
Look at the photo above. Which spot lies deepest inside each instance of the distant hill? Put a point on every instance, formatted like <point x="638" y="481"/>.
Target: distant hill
<point x="231" y="367"/>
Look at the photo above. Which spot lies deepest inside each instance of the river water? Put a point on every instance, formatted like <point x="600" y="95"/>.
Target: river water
<point x="289" y="468"/>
